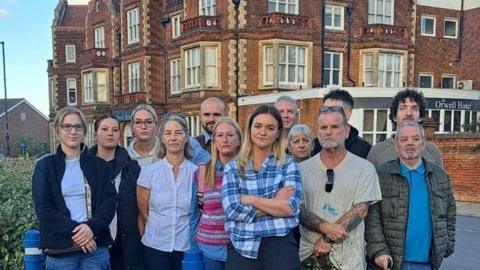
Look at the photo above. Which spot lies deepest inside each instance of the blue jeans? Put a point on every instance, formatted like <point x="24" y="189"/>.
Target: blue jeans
<point x="97" y="260"/>
<point x="211" y="264"/>
<point x="416" y="266"/>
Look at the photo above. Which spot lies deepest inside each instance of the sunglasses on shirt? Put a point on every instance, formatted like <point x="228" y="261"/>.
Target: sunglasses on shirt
<point x="329" y="183"/>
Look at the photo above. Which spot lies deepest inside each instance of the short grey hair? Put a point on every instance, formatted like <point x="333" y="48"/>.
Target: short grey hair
<point x="409" y="124"/>
<point x="289" y="100"/>
<point x="188" y="151"/>
<point x="147" y="108"/>
<point x="300" y="129"/>
<point x="216" y="100"/>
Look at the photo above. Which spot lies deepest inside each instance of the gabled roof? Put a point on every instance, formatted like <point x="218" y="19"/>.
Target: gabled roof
<point x="69" y="15"/>
<point x="13" y="103"/>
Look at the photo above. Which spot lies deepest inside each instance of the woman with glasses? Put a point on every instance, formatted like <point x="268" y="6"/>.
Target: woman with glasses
<point x="165" y="197"/>
<point x="74" y="200"/>
<point x="126" y="251"/>
<point x="300" y="142"/>
<point x="261" y="195"/>
<point x="144" y="148"/>
<point x="211" y="236"/>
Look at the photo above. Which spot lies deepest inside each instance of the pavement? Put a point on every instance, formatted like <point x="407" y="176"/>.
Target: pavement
<point x="469" y="209"/>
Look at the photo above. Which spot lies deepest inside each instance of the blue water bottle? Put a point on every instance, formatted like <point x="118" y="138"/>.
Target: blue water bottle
<point x="33" y="257"/>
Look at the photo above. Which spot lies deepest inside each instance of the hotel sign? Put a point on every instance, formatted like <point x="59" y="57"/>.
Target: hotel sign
<point x="453" y="104"/>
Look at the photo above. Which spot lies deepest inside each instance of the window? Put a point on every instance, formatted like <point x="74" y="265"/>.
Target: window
<point x="435" y="115"/>
<point x="380" y="11"/>
<point x="283" y="6"/>
<point x="70" y="56"/>
<point x="389" y="70"/>
<point x="207" y="7"/>
<point x="428" y="26"/>
<point x="175" y="86"/>
<point x="368" y="70"/>
<point x="448" y="81"/>
<point x="51" y="91"/>
<point x="134" y="77"/>
<point x="87" y="87"/>
<point x="194" y="125"/>
<point x="375" y="123"/>
<point x="268" y="65"/>
<point x="176" y="20"/>
<point x="450" y="28"/>
<point x="90" y="134"/>
<point x="192" y="67"/>
<point x="133" y="26"/>
<point x="100" y="37"/>
<point x="291" y="64"/>
<point x="332" y="72"/>
<point x="425" y="81"/>
<point x="71" y="91"/>
<point x="97" y="6"/>
<point x="101" y="83"/>
<point x="334" y="17"/>
<point x="210" y="66"/>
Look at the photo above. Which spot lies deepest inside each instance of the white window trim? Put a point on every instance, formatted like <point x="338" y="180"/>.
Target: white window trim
<point x="372" y="69"/>
<point x="450" y="76"/>
<point x="99" y="37"/>
<point x="340" y="72"/>
<point x="392" y="12"/>
<point x="88" y="86"/>
<point x="134" y="77"/>
<point x="68" y="91"/>
<point x="74" y="56"/>
<point x="202" y="82"/>
<point x="173" y="76"/>
<point x="133" y="27"/>
<point x="212" y="3"/>
<point x="456" y="28"/>
<point x="385" y="70"/>
<point x="272" y="47"/>
<point x="342" y="18"/>
<point x="194" y="125"/>
<point x="176" y="26"/>
<point x="198" y="83"/>
<point x="422" y="29"/>
<point x="296" y="82"/>
<point x="277" y="3"/>
<point x="388" y="132"/>
<point x="423" y="74"/>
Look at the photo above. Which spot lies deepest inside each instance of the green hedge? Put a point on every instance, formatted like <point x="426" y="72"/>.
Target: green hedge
<point x="16" y="211"/>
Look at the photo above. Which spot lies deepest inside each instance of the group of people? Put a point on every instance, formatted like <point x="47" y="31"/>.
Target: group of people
<point x="272" y="197"/>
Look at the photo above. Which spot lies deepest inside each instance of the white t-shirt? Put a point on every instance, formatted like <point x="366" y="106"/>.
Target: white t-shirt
<point x="355" y="181"/>
<point x="73" y="190"/>
<point x="168" y="221"/>
<point x="144" y="160"/>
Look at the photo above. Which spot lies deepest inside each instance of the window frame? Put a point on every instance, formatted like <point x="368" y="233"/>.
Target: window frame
<point x="453" y="76"/>
<point x="422" y="28"/>
<point x="133" y="25"/>
<point x="456" y="27"/>
<point x="175" y="77"/>
<point x="287" y="64"/>
<point x="176" y="26"/>
<point x="134" y="77"/>
<point x="375" y="132"/>
<point x="423" y="74"/>
<point x="192" y="68"/>
<point x="287" y="4"/>
<point x="393" y="71"/>
<point x="98" y="85"/>
<point x="74" y="80"/>
<point x="371" y="69"/>
<point x="87" y="83"/>
<point x="196" y="66"/>
<point x="392" y="13"/>
<point x="73" y="57"/>
<point x="331" y="69"/>
<point x="342" y="17"/>
<point x="99" y="37"/>
<point x="207" y="10"/>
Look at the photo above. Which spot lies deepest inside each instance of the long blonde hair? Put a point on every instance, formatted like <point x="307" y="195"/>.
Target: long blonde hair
<point x="278" y="149"/>
<point x="210" y="177"/>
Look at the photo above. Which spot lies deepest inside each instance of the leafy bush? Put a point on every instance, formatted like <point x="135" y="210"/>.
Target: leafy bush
<point x="16" y="211"/>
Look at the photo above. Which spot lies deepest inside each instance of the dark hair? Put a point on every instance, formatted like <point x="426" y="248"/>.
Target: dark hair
<point x="266" y="109"/>
<point x="402" y="96"/>
<point x="342" y="95"/>
<point x="102" y="117"/>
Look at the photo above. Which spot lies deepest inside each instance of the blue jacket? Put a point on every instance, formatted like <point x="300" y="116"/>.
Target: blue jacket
<point x="56" y="226"/>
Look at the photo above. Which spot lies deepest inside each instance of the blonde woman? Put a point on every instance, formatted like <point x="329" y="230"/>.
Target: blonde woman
<point x="211" y="236"/>
<point x="74" y="200"/>
<point x="261" y="194"/>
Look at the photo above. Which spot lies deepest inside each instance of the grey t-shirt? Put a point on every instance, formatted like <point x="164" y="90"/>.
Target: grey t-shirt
<point x="355" y="181"/>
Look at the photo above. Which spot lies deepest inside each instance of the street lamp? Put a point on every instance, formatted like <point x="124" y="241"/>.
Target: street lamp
<point x="236" y="4"/>
<point x="165" y="20"/>
<point x="7" y="137"/>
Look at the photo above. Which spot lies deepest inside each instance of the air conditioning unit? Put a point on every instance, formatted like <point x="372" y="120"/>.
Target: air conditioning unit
<point x="465" y="85"/>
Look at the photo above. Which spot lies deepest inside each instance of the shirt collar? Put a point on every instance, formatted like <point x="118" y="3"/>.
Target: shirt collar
<point x="218" y="166"/>
<point x="207" y="136"/>
<point x="420" y="169"/>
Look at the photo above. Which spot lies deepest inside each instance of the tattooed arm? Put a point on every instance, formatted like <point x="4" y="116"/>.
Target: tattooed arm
<point x="354" y="216"/>
<point x="314" y="223"/>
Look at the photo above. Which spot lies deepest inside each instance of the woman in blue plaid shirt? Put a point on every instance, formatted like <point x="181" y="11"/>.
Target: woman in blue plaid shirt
<point x="261" y="195"/>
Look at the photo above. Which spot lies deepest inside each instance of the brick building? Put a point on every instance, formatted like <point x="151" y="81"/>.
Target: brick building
<point x="28" y="128"/>
<point x="174" y="53"/>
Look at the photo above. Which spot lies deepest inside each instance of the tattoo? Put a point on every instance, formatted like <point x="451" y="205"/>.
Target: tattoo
<point x="310" y="220"/>
<point x="354" y="216"/>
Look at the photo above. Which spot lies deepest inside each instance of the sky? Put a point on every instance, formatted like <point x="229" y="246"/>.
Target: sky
<point x="25" y="27"/>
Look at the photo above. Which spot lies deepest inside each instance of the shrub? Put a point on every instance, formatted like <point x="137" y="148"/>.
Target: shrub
<point x="16" y="211"/>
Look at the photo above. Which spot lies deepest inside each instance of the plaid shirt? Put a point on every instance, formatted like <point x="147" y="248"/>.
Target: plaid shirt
<point x="245" y="229"/>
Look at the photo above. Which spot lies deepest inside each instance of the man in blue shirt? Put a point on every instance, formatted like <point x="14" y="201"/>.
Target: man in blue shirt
<point x="211" y="109"/>
<point x="413" y="226"/>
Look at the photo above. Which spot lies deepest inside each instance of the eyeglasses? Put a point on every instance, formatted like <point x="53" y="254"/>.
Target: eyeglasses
<point x="325" y="109"/>
<point x="329" y="184"/>
<point x="69" y="127"/>
<point x="148" y="123"/>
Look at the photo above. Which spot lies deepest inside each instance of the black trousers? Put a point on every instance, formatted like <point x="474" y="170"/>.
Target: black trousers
<point x="275" y="253"/>
<point x="160" y="260"/>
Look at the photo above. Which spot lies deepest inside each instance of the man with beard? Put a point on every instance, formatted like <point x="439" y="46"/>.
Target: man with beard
<point x="211" y="109"/>
<point x="289" y="112"/>
<point x="407" y="105"/>
<point x="338" y="188"/>
<point x="413" y="226"/>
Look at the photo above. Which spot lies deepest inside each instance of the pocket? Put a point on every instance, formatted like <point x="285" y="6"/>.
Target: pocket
<point x="390" y="203"/>
<point x="439" y="203"/>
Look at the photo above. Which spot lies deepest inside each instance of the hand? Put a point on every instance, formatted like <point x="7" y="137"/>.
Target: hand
<point x="246" y="199"/>
<point x="260" y="213"/>
<point x="334" y="232"/>
<point x="82" y="234"/>
<point x="285" y="192"/>
<point x="382" y="261"/>
<point x="91" y="246"/>
<point x="322" y="248"/>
